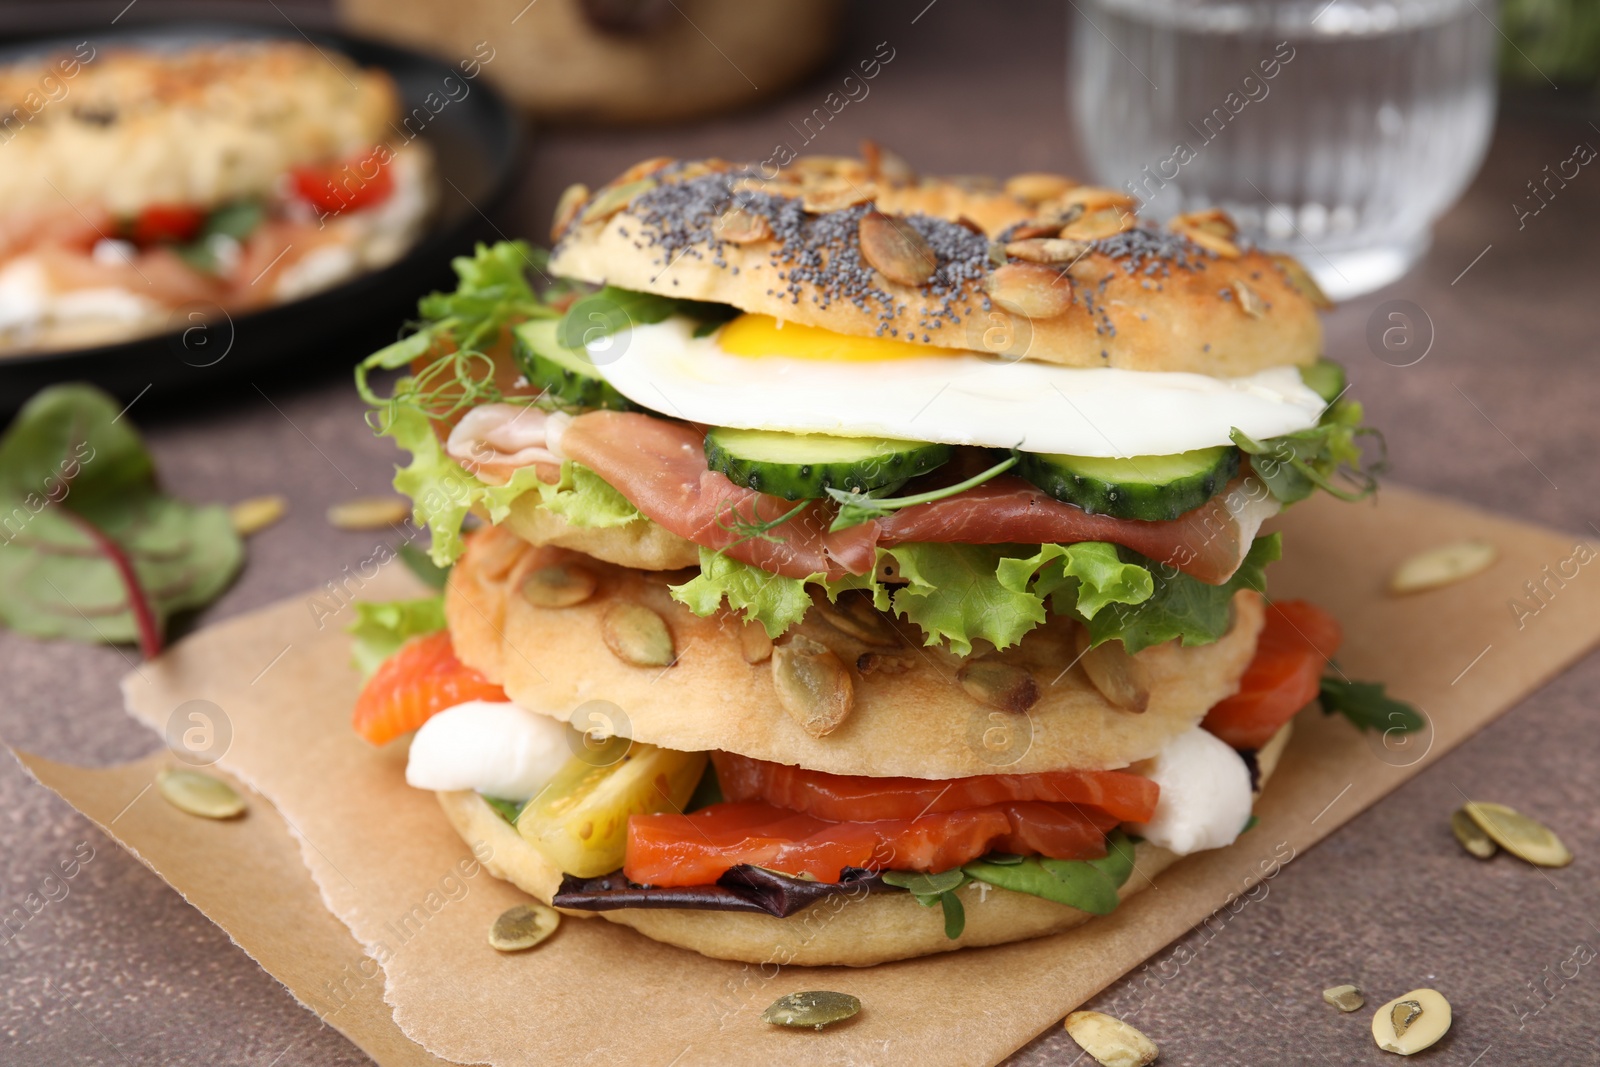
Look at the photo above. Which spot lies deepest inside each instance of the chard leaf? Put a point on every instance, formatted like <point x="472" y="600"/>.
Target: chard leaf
<point x="1368" y="706"/>
<point x="380" y="628"/>
<point x="90" y="549"/>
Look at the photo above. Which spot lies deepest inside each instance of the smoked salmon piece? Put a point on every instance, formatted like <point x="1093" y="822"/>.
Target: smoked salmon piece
<point x="416" y="683"/>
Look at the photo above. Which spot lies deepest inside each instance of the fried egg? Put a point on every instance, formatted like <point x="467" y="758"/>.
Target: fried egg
<point x="760" y="373"/>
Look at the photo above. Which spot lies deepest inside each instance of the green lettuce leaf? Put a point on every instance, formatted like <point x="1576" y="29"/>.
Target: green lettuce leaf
<point x="584" y="498"/>
<point x="612" y="309"/>
<point x="954" y="593"/>
<point x="1180" y="606"/>
<point x="441" y="492"/>
<point x="380" y="628"/>
<point x="772" y="600"/>
<point x="1088" y="576"/>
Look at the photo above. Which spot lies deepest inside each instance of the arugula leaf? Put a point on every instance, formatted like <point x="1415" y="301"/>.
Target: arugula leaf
<point x="1368" y="706"/>
<point x="1180" y="606"/>
<point x="90" y="549"/>
<point x="380" y="628"/>
<point x="1295" y="465"/>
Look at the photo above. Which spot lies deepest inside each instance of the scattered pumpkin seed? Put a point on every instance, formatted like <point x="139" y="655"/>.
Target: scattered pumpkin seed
<point x="256" y="513"/>
<point x="1119" y="677"/>
<point x="1048" y="250"/>
<point x="815" y="1008"/>
<point x="646" y="167"/>
<point x="1471" y="835"/>
<point x="1411" y="1022"/>
<point x="813" y="684"/>
<point x="1110" y="1041"/>
<point x="637" y="635"/>
<point x="1344" y="997"/>
<point x="573" y="197"/>
<point x="895" y="249"/>
<point x="369" y="512"/>
<point x="741" y="226"/>
<point x="1249" y="303"/>
<point x="199" y="794"/>
<point x="1031" y="290"/>
<point x="1441" y="566"/>
<point x="1037" y="188"/>
<point x="854" y="616"/>
<point x="1525" y="838"/>
<point x="999" y="685"/>
<point x="560" y="585"/>
<point x="523" y="926"/>
<point x="609" y="201"/>
<point x="754" y="644"/>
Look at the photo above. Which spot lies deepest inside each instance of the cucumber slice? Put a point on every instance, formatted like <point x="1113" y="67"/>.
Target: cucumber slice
<point x="802" y="466"/>
<point x="565" y="374"/>
<point x="1145" y="487"/>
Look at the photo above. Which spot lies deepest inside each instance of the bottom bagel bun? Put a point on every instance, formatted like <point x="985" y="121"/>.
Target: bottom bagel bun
<point x="845" y="930"/>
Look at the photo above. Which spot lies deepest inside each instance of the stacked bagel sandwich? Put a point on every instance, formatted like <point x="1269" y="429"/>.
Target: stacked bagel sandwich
<point x="859" y="565"/>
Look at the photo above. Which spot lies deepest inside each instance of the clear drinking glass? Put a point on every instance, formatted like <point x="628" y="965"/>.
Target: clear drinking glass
<point x="1335" y="130"/>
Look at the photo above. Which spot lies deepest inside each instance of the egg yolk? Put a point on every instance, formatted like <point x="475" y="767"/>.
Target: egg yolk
<point x="756" y="336"/>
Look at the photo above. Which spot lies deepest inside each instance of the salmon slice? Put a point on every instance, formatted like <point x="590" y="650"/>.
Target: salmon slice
<point x="416" y="683"/>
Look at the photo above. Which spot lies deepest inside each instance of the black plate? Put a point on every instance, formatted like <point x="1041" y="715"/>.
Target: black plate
<point x="476" y="141"/>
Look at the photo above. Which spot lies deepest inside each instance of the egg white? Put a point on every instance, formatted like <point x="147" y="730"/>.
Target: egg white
<point x="959" y="399"/>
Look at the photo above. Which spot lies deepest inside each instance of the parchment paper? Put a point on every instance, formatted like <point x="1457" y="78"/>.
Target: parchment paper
<point x="408" y="889"/>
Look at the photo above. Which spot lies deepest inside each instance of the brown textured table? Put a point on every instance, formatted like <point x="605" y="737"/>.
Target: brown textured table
<point x="1501" y="412"/>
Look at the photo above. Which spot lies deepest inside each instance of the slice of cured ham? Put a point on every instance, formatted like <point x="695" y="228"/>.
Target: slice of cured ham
<point x="660" y="466"/>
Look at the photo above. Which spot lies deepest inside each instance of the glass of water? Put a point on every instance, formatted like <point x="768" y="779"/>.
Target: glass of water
<point x="1335" y="130"/>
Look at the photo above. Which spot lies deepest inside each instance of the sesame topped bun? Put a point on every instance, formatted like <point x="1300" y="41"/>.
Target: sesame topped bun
<point x="1039" y="268"/>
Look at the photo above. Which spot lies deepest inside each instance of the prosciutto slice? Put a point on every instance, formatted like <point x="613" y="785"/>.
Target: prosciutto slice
<point x="660" y="466"/>
<point x="1207" y="543"/>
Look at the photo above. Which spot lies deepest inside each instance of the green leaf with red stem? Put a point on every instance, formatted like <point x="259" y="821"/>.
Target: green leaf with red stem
<point x="90" y="548"/>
